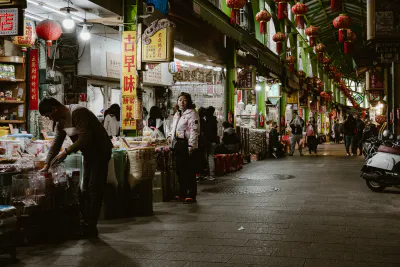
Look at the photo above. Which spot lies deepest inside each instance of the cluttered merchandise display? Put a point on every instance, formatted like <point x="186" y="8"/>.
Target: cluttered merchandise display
<point x="35" y="199"/>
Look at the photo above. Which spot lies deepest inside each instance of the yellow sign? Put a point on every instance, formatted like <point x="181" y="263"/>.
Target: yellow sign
<point x="158" y="42"/>
<point x="293" y="99"/>
<point x="129" y="78"/>
<point x="128" y="109"/>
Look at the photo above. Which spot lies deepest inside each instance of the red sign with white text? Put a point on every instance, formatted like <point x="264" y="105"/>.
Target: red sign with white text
<point x="34" y="80"/>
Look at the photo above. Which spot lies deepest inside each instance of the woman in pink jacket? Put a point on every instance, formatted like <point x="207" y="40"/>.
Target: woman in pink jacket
<point x="184" y="138"/>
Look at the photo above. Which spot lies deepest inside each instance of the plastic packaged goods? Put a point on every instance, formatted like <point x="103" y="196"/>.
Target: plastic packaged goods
<point x="59" y="175"/>
<point x="20" y="184"/>
<point x="157" y="134"/>
<point x="142" y="163"/>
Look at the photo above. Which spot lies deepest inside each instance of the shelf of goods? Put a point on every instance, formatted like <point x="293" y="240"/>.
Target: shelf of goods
<point x="13" y="91"/>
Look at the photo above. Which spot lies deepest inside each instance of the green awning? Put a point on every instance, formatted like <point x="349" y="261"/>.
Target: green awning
<point x="217" y="18"/>
<point x="208" y="12"/>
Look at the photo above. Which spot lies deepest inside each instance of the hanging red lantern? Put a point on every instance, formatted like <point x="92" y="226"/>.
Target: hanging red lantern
<point x="235" y="6"/>
<point x="338" y="76"/>
<point x="300" y="10"/>
<point x="336" y="5"/>
<point x="320" y="49"/>
<point x="312" y="33"/>
<point x="349" y="43"/>
<point x="326" y="62"/>
<point x="290" y="60"/>
<point x="263" y="17"/>
<point x="343" y="23"/>
<point x="28" y="39"/>
<point x="50" y="31"/>
<point x="301" y="75"/>
<point x="279" y="38"/>
<point x="282" y="9"/>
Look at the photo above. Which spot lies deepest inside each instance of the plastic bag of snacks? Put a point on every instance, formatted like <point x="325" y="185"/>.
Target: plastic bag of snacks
<point x="142" y="164"/>
<point x="157" y="134"/>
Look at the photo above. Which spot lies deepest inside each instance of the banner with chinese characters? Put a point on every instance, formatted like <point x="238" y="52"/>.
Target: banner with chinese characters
<point x="158" y="42"/>
<point x="129" y="78"/>
<point x="128" y="109"/>
<point x="34" y="80"/>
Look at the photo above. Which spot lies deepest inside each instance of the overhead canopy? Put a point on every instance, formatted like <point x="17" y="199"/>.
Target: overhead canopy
<point x="320" y="15"/>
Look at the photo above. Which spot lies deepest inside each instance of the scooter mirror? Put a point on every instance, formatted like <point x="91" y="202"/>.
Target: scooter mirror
<point x="386" y="133"/>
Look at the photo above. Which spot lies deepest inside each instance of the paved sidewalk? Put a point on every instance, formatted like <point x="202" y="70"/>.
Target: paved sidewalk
<point x="311" y="211"/>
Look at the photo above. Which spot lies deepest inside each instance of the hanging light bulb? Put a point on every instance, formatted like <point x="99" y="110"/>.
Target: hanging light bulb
<point x="85" y="34"/>
<point x="68" y="22"/>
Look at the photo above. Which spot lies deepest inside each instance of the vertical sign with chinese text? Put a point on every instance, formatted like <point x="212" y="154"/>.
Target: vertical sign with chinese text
<point x="128" y="79"/>
<point x="34" y="80"/>
<point x="156" y="50"/>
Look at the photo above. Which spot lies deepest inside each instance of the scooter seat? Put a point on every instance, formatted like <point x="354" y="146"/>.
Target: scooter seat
<point x="390" y="150"/>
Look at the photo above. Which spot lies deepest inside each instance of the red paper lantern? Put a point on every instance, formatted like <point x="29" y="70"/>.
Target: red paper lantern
<point x="263" y="17"/>
<point x="235" y="6"/>
<point x="279" y="38"/>
<point x="343" y="23"/>
<point x="336" y="5"/>
<point x="290" y="60"/>
<point x="301" y="75"/>
<point x="28" y="39"/>
<point x="326" y="62"/>
<point x="338" y="76"/>
<point x="282" y="9"/>
<point x="349" y="43"/>
<point x="50" y="31"/>
<point x="312" y="33"/>
<point x="300" y="10"/>
<point x="320" y="49"/>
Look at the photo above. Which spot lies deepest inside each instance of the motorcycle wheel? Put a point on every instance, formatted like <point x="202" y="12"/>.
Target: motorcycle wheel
<point x="375" y="186"/>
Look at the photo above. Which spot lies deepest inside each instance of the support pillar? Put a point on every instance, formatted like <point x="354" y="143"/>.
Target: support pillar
<point x="230" y="78"/>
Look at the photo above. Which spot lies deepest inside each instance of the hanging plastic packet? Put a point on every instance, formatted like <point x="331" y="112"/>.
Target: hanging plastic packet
<point x="157" y="134"/>
<point x="59" y="175"/>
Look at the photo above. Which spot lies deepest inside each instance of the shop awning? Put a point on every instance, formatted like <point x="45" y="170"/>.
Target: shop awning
<point x="217" y="18"/>
<point x="208" y="12"/>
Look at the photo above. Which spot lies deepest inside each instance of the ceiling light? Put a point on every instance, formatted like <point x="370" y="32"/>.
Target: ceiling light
<point x="68" y="22"/>
<point x="85" y="34"/>
<point x="182" y="52"/>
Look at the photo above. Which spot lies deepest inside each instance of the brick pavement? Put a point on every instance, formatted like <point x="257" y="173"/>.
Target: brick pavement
<point x="325" y="216"/>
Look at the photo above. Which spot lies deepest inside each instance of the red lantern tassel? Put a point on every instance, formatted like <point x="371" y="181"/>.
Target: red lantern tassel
<point x="282" y="11"/>
<point x="348" y="47"/>
<point x="235" y="18"/>
<point x="312" y="41"/>
<point x="279" y="47"/>
<point x="300" y="22"/>
<point x="342" y="35"/>
<point x="263" y="27"/>
<point x="335" y="5"/>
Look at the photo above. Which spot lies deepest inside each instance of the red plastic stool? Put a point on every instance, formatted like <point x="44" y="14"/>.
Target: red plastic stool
<point x="219" y="164"/>
<point x="229" y="163"/>
<point x="239" y="158"/>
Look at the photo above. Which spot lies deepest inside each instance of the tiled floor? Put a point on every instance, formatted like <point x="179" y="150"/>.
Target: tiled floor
<point x="325" y="216"/>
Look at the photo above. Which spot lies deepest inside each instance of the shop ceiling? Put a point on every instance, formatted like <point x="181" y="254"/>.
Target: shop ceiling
<point x="44" y="9"/>
<point x="320" y="15"/>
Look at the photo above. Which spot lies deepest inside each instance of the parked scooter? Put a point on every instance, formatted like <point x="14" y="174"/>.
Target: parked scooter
<point x="383" y="168"/>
